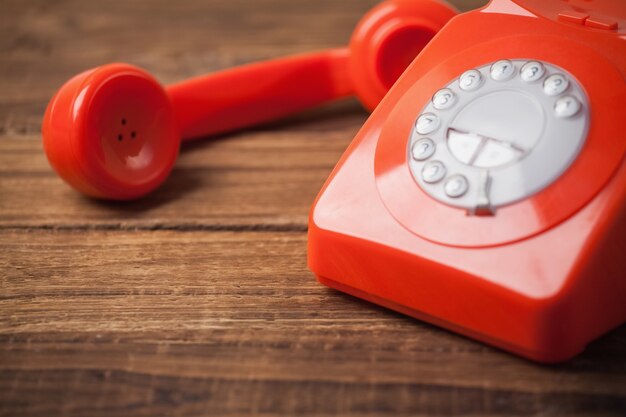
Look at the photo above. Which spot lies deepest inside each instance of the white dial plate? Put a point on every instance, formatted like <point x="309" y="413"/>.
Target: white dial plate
<point x="508" y="138"/>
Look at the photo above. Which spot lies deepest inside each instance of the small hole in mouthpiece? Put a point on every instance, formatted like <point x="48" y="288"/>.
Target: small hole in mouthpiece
<point x="120" y="137"/>
<point x="133" y="134"/>
<point x="123" y="122"/>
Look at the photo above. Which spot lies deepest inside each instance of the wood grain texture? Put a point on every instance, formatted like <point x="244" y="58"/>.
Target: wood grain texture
<point x="196" y="300"/>
<point x="263" y="178"/>
<point x="170" y="321"/>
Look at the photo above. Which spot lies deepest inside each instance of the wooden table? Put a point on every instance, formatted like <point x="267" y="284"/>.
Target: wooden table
<point x="197" y="299"/>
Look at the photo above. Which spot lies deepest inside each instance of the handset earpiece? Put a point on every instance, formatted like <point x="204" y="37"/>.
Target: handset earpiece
<point x="110" y="132"/>
<point x="114" y="132"/>
<point x="386" y="41"/>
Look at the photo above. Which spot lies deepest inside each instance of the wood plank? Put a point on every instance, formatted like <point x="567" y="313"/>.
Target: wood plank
<point x="259" y="178"/>
<point x="44" y="43"/>
<point x="114" y="322"/>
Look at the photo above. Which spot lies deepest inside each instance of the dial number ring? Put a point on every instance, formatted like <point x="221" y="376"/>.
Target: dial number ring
<point x="514" y="128"/>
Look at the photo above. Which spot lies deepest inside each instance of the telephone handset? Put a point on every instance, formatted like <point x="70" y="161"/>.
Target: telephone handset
<point x="114" y="132"/>
<point x="487" y="191"/>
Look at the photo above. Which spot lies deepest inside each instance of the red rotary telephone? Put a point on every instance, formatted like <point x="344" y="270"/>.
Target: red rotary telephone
<point x="485" y="194"/>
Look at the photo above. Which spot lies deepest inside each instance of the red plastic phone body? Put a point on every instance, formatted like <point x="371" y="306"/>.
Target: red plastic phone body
<point x="543" y="276"/>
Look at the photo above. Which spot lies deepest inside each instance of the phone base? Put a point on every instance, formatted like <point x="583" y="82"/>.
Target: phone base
<point x="543" y="274"/>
